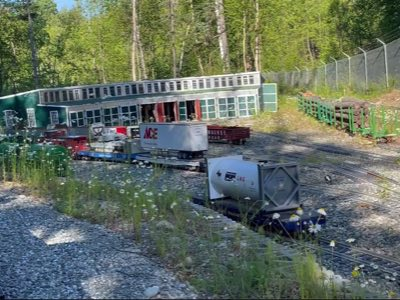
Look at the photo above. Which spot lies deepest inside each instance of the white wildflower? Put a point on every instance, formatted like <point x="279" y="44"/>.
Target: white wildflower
<point x="314" y="228"/>
<point x="351" y="240"/>
<point x="299" y="211"/>
<point x="294" y="218"/>
<point x="332" y="243"/>
<point x="321" y="211"/>
<point x="276" y="216"/>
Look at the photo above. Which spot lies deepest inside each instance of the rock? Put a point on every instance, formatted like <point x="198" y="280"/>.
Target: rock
<point x="151" y="291"/>
<point x="188" y="261"/>
<point x="164" y="224"/>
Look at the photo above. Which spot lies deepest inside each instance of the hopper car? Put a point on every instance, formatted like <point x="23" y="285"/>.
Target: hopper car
<point x="232" y="134"/>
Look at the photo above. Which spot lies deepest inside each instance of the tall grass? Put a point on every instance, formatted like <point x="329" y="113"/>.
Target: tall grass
<point x="218" y="265"/>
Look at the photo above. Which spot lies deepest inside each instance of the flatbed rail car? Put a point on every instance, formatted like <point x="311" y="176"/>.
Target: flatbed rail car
<point x="232" y="134"/>
<point x="107" y="156"/>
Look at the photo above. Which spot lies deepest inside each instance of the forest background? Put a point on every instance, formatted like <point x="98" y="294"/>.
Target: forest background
<point x="102" y="41"/>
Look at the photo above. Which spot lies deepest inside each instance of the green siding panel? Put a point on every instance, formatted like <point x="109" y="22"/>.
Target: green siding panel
<point x="269" y="97"/>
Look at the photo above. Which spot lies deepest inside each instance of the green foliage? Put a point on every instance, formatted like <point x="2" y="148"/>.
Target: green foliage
<point x="92" y="42"/>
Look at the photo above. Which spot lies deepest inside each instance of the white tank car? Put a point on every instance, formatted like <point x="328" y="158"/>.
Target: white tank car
<point x="270" y="187"/>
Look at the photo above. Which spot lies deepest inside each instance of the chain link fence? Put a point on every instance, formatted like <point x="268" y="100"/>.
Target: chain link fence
<point x="375" y="68"/>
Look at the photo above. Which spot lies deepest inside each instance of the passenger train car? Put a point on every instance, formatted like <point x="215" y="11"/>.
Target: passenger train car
<point x="130" y="103"/>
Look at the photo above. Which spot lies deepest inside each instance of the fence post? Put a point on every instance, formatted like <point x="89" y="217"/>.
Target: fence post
<point x="298" y="75"/>
<point x="349" y="59"/>
<point x="386" y="63"/>
<point x="336" y="74"/>
<point x="325" y="72"/>
<point x="307" y="77"/>
<point x="365" y="67"/>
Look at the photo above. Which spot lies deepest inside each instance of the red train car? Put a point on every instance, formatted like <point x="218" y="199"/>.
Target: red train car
<point x="232" y="134"/>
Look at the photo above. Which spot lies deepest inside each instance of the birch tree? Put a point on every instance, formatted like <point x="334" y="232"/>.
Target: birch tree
<point x="222" y="35"/>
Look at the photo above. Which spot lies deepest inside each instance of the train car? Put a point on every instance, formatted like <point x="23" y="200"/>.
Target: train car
<point x="185" y="139"/>
<point x="265" y="194"/>
<point x="232" y="134"/>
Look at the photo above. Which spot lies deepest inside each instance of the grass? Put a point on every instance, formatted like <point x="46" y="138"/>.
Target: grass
<point x="218" y="265"/>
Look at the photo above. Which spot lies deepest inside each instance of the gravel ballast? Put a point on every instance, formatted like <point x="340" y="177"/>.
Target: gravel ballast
<point x="47" y="255"/>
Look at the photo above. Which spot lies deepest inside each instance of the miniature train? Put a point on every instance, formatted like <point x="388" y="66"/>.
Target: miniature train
<point x="264" y="193"/>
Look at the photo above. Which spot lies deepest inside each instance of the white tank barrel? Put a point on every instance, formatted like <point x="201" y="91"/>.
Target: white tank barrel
<point x="238" y="179"/>
<point x="275" y="187"/>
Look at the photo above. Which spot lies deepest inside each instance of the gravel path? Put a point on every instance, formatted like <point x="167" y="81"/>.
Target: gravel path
<point x="46" y="255"/>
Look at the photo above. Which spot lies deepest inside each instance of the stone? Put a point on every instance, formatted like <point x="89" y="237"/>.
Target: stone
<point x="164" y="224"/>
<point x="151" y="291"/>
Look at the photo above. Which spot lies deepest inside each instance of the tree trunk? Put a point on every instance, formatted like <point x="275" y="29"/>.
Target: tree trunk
<point x="258" y="37"/>
<point x="134" y="41"/>
<point x="172" y="6"/>
<point x="244" y="41"/>
<point x="141" y="57"/>
<point x="222" y="36"/>
<point x="33" y="46"/>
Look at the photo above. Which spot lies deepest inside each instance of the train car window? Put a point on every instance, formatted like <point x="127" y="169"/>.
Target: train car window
<point x="107" y="116"/>
<point x="251" y="79"/>
<point x="185" y="85"/>
<point x="77" y="94"/>
<point x="194" y="84"/>
<point x="51" y="94"/>
<point x="119" y="90"/>
<point x="57" y="96"/>
<point x="127" y="90"/>
<point x="242" y="106"/>
<point x="105" y="91"/>
<point x="73" y="117"/>
<point x="239" y="80"/>
<point x="223" y="81"/>
<point x="251" y="105"/>
<point x="46" y="97"/>
<point x="156" y="87"/>
<point x="178" y="85"/>
<point x="84" y="94"/>
<point x="208" y="83"/>
<point x="141" y="89"/>
<point x="97" y="116"/>
<point x="162" y="83"/>
<point x="64" y="96"/>
<point x="216" y="82"/>
<point x="112" y="90"/>
<point x="201" y="83"/>
<point x="171" y="86"/>
<point x="134" y="90"/>
<point x="97" y="92"/>
<point x="149" y="88"/>
<point x="91" y="93"/>
<point x="245" y="80"/>
<point x="222" y="107"/>
<point x="230" y="81"/>
<point x="89" y="117"/>
<point x="71" y="95"/>
<point x="80" y="120"/>
<point x="231" y="107"/>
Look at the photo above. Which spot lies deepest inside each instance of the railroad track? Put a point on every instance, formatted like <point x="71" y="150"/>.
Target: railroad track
<point x="371" y="265"/>
<point x="327" y="148"/>
<point x="376" y="204"/>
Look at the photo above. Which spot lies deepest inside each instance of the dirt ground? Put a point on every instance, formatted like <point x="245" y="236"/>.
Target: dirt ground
<point x="390" y="99"/>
